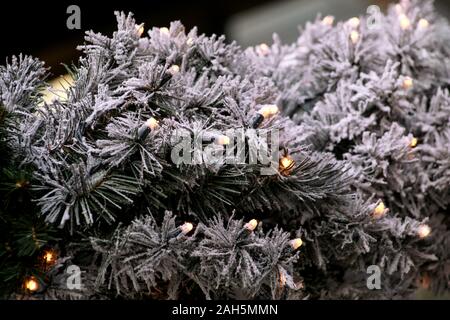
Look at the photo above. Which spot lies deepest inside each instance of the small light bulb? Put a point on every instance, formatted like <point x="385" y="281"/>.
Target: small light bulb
<point x="423" y="231"/>
<point x="282" y="279"/>
<point x="164" y="31"/>
<point x="140" y="30"/>
<point x="398" y="8"/>
<point x="49" y="257"/>
<point x="189" y="41"/>
<point x="296" y="243"/>
<point x="354" y="36"/>
<point x="413" y="142"/>
<point x="407" y="83"/>
<point x="328" y="20"/>
<point x="286" y="163"/>
<point x="251" y="225"/>
<point x="223" y="140"/>
<point x="379" y="211"/>
<point x="404" y="21"/>
<point x="423" y="24"/>
<point x="31" y="284"/>
<point x="174" y="69"/>
<point x="263" y="49"/>
<point x="268" y="110"/>
<point x="354" y="22"/>
<point x="186" y="227"/>
<point x="152" y="123"/>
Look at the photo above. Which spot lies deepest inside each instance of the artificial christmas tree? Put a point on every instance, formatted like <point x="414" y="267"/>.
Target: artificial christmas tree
<point x="179" y="166"/>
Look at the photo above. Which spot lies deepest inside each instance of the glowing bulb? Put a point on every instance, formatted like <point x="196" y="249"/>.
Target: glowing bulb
<point x="152" y="123"/>
<point x="328" y="20"/>
<point x="379" y="211"/>
<point x="423" y="231"/>
<point x="296" y="243"/>
<point x="49" y="257"/>
<point x="268" y="110"/>
<point x="263" y="49"/>
<point x="190" y="41"/>
<point x="286" y="163"/>
<point x="174" y="69"/>
<point x="186" y="228"/>
<point x="164" y="31"/>
<point x="407" y="83"/>
<point x="140" y="30"/>
<point x="251" y="225"/>
<point x="423" y="24"/>
<point x="354" y="36"/>
<point x="223" y="140"/>
<point x="404" y="21"/>
<point x="354" y="22"/>
<point x="31" y="284"/>
<point x="398" y="8"/>
<point x="282" y="279"/>
<point x="413" y="142"/>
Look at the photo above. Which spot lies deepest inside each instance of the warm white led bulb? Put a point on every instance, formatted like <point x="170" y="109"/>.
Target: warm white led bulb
<point x="164" y="31"/>
<point x="223" y="140"/>
<point x="404" y="21"/>
<point x="296" y="243"/>
<point x="140" y="29"/>
<point x="152" y="123"/>
<point x="186" y="228"/>
<point x="354" y="36"/>
<point x="328" y="20"/>
<point x="251" y="225"/>
<point x="268" y="110"/>
<point x="423" y="24"/>
<point x="263" y="49"/>
<point x="423" y="231"/>
<point x="174" y="69"/>
<point x="407" y="83"/>
<point x="354" y="22"/>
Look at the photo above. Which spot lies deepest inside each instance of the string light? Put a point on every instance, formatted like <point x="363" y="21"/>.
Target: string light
<point x="251" y="225"/>
<point x="222" y="140"/>
<point x="296" y="243"/>
<point x="354" y="36"/>
<point x="354" y="22"/>
<point x="21" y="184"/>
<point x="49" y="257"/>
<point x="423" y="24"/>
<point x="165" y="31"/>
<point x="286" y="164"/>
<point x="282" y="279"/>
<point x="398" y="8"/>
<point x="186" y="228"/>
<point x="404" y="21"/>
<point x="189" y="41"/>
<point x="413" y="142"/>
<point x="423" y="231"/>
<point x="140" y="30"/>
<point x="31" y="284"/>
<point x="407" y="83"/>
<point x="328" y="20"/>
<point x="379" y="211"/>
<point x="265" y="112"/>
<point x="149" y="125"/>
<point x="263" y="49"/>
<point x="174" y="69"/>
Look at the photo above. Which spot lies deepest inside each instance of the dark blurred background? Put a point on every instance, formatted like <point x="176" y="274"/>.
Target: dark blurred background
<point x="39" y="28"/>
